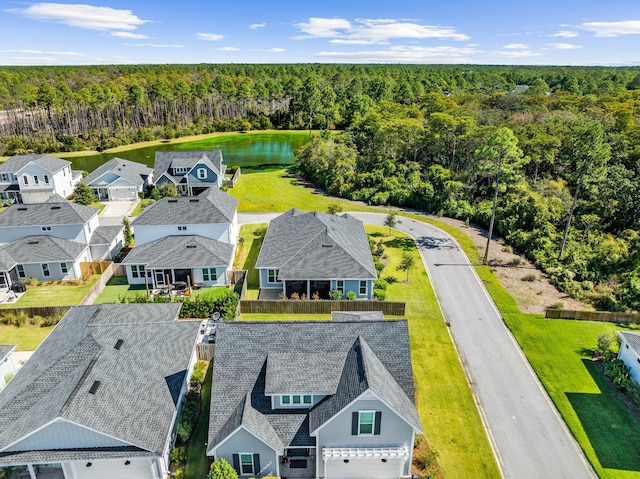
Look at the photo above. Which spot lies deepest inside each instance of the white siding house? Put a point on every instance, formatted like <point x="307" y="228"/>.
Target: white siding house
<point x="7" y="368"/>
<point x="630" y="353"/>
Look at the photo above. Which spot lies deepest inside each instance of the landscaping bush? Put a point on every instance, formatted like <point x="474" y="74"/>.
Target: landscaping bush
<point x="380" y="284"/>
<point x="379" y="266"/>
<point x="351" y="295"/>
<point x="188" y="416"/>
<point x="226" y="304"/>
<point x="197" y="377"/>
<point x="379" y="294"/>
<point x="221" y="469"/>
<point x="427" y="462"/>
<point x="335" y="294"/>
<point x="618" y="372"/>
<point x="390" y="279"/>
<point x="178" y="456"/>
<point x="529" y="277"/>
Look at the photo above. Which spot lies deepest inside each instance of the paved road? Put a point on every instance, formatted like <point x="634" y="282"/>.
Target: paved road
<point x="529" y="437"/>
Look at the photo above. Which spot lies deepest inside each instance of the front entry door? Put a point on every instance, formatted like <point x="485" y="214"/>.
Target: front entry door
<point x="160" y="280"/>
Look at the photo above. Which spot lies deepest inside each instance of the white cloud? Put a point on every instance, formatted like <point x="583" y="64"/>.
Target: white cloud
<point x="154" y="45"/>
<point x="370" y="31"/>
<point x="228" y="49"/>
<point x="516" y="46"/>
<point x="130" y="35"/>
<point x="566" y="34"/>
<point x="613" y="29"/>
<point x="254" y="26"/>
<point x="406" y="54"/>
<point x="41" y="52"/>
<point x="276" y="50"/>
<point x="564" y="46"/>
<point x="82" y="16"/>
<point x="515" y="53"/>
<point x="210" y="37"/>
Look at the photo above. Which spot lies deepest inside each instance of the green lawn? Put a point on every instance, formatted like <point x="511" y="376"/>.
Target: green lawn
<point x="197" y="466"/>
<point x="53" y="295"/>
<point x="27" y="337"/>
<point x="142" y="204"/>
<point x="247" y="254"/>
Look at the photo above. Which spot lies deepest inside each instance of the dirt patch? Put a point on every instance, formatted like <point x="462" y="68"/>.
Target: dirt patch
<point x="528" y="285"/>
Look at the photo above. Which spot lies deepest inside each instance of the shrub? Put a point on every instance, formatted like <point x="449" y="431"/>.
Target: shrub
<point x="633" y="391"/>
<point x="335" y="294"/>
<point x="315" y="296"/>
<point x="557" y="305"/>
<point x="379" y="294"/>
<point x="604" y="343"/>
<point x="351" y="295"/>
<point x="529" y="277"/>
<point x="379" y="266"/>
<point x="197" y="377"/>
<point x="515" y="262"/>
<point x="418" y="440"/>
<point x="221" y="469"/>
<point x="618" y="372"/>
<point x="427" y="461"/>
<point x="295" y="296"/>
<point x="31" y="281"/>
<point x="178" y="455"/>
<point x="188" y="416"/>
<point x="390" y="279"/>
<point x="380" y="284"/>
<point x="507" y="249"/>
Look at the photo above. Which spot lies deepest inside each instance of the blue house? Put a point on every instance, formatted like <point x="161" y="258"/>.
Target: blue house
<point x="314" y="253"/>
<point x="191" y="172"/>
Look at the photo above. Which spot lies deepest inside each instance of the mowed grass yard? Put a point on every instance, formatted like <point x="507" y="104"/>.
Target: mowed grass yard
<point x="53" y="295"/>
<point x="117" y="289"/>
<point x="449" y="417"/>
<point x="28" y="337"/>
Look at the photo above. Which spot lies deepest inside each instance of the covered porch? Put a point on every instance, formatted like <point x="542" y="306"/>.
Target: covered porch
<point x="309" y="288"/>
<point x="35" y="471"/>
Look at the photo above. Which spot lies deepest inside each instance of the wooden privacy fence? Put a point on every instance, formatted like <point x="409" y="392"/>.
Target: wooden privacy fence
<point x="592" y="316"/>
<point x="238" y="278"/>
<point x="93" y="267"/>
<point x="388" y="308"/>
<point x="205" y="351"/>
<point x="98" y="287"/>
<point x="232" y="182"/>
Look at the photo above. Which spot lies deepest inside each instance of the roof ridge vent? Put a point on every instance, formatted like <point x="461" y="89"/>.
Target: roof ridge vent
<point x="191" y="246"/>
<point x="94" y="387"/>
<point x="172" y="201"/>
<point x="22" y="208"/>
<point x="55" y="207"/>
<point x="194" y="200"/>
<point x="119" y="344"/>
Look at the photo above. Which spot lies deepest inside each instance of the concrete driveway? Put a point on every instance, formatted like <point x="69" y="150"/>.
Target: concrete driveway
<point x="115" y="211"/>
<point x="528" y="435"/>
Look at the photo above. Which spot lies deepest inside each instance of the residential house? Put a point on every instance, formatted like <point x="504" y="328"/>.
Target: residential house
<point x="7" y="367"/>
<point x="314" y="399"/>
<point x="314" y="253"/>
<point x="191" y="172"/>
<point x="630" y="353"/>
<point x="100" y="396"/>
<point x="119" y="179"/>
<point x="36" y="178"/>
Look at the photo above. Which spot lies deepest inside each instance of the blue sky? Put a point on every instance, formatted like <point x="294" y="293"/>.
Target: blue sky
<point x="545" y="32"/>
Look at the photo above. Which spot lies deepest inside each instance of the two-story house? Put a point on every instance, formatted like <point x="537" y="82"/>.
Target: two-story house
<point x="184" y="237"/>
<point x="314" y="399"/>
<point x="191" y="172"/>
<point x="36" y="178"/>
<point x="100" y="396"/>
<point x="314" y="253"/>
<point x="119" y="179"/>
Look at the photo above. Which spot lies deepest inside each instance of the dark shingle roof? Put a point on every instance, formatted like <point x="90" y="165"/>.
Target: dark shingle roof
<point x="48" y="457"/>
<point x="633" y="339"/>
<point x="357" y="356"/>
<point x="190" y="251"/>
<point x="187" y="159"/>
<point x="17" y="162"/>
<point x="317" y="246"/>
<point x="130" y="170"/>
<point x="6" y="349"/>
<point x="283" y="368"/>
<point x="356" y="316"/>
<point x="105" y="234"/>
<point x="134" y="402"/>
<point x="210" y="207"/>
<point x="39" y="249"/>
<point x="56" y="212"/>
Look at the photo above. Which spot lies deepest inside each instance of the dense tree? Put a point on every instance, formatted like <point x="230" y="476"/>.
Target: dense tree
<point x="83" y="195"/>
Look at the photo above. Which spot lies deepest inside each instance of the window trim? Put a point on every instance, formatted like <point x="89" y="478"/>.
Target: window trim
<point x="209" y="274"/>
<point x="36" y="180"/>
<point x="134" y="271"/>
<point x="340" y="285"/>
<point x="46" y="272"/>
<point x="360" y="287"/>
<point x="272" y="275"/>
<point x="25" y="180"/>
<point x="361" y="423"/>
<point x="4" y="177"/>
<point x="64" y="268"/>
<point x="242" y="472"/>
<point x="21" y="272"/>
<point x="46" y="179"/>
<point x="202" y="173"/>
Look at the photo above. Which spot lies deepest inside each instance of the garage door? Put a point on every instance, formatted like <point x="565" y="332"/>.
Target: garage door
<point x="364" y="469"/>
<point x="124" y="193"/>
<point x="138" y="468"/>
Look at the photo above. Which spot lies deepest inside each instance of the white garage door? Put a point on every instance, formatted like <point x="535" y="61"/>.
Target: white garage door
<point x="138" y="468"/>
<point x="364" y="469"/>
<point x="123" y="193"/>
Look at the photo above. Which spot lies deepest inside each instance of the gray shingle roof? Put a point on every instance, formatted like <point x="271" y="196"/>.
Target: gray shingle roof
<point x="17" y="162"/>
<point x="105" y="234"/>
<point x="190" y="251"/>
<point x="187" y="159"/>
<point x="357" y="316"/>
<point x="321" y="372"/>
<point x="373" y="352"/>
<point x="317" y="246"/>
<point x="136" y="399"/>
<point x="56" y="212"/>
<point x="633" y="339"/>
<point x="39" y="249"/>
<point x="6" y="349"/>
<point x="48" y="457"/>
<point x="210" y="207"/>
<point x="132" y="171"/>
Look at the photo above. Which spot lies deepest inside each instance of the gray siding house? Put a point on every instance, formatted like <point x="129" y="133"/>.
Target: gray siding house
<point x="325" y="399"/>
<point x="100" y="396"/>
<point x="309" y="253"/>
<point x="191" y="172"/>
<point x="119" y="179"/>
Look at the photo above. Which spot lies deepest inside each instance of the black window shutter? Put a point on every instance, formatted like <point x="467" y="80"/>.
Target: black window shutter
<point x="354" y="423"/>
<point x="236" y="462"/>
<point x="378" y="420"/>
<point x="256" y="463"/>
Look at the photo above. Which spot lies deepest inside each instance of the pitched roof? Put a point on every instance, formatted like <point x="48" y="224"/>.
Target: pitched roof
<point x="17" y="162"/>
<point x="139" y="383"/>
<point x="191" y="251"/>
<point x="130" y="170"/>
<point x="354" y="356"/>
<point x="210" y="207"/>
<point x="187" y="159"/>
<point x="105" y="234"/>
<point x="317" y="246"/>
<point x="6" y="349"/>
<point x="633" y="339"/>
<point x="356" y="315"/>
<point x="39" y="249"/>
<point x="56" y="212"/>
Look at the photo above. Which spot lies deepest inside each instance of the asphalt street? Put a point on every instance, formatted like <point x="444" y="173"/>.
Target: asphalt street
<point x="527" y="433"/>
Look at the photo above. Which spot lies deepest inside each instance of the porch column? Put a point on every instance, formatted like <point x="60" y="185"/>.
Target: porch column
<point x="308" y="289"/>
<point x="32" y="471"/>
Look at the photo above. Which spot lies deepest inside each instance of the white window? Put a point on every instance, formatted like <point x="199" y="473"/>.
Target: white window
<point x="45" y="270"/>
<point x="272" y="276"/>
<point x="180" y="171"/>
<point x="25" y="179"/>
<point x="20" y="270"/>
<point x="340" y="286"/>
<point x="134" y="271"/>
<point x="46" y="179"/>
<point x="209" y="274"/>
<point x="366" y="422"/>
<point x="141" y="270"/>
<point x="363" y="287"/>
<point x="64" y="268"/>
<point x="36" y="181"/>
<point x="202" y="173"/>
<point x="246" y="463"/>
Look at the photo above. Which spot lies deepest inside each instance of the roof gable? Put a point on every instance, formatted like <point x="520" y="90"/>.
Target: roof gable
<point x="18" y="162"/>
<point x="190" y="251"/>
<point x="39" y="249"/>
<point x="633" y="339"/>
<point x="133" y="172"/>
<point x="166" y="160"/>
<point x="56" y="211"/>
